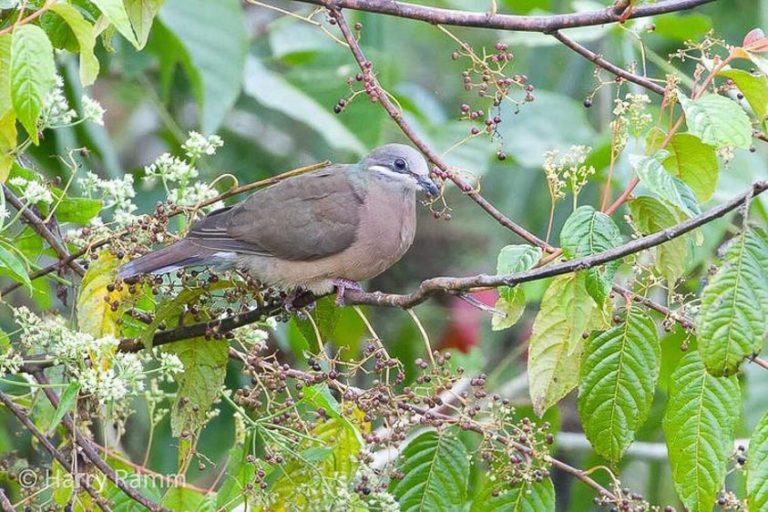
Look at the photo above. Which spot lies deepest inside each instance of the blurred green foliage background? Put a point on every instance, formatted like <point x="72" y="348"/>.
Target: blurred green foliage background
<point x="267" y="83"/>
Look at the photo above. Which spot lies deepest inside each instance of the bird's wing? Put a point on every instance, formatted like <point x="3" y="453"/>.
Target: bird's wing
<point x="300" y="219"/>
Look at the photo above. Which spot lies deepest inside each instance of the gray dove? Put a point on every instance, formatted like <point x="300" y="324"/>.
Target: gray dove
<point x="319" y="231"/>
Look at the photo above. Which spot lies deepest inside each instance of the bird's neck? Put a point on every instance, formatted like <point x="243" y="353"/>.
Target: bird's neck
<point x="396" y="183"/>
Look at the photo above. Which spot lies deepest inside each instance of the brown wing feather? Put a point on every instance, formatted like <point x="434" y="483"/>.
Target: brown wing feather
<point x="303" y="218"/>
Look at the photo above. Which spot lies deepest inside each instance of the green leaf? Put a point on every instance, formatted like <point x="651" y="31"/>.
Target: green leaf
<point x="274" y="92"/>
<point x="554" y="351"/>
<point x="668" y="188"/>
<point x="205" y="366"/>
<point x="588" y="232"/>
<point x="693" y="162"/>
<point x="78" y="209"/>
<point x="32" y="75"/>
<point x="94" y="311"/>
<point x="698" y="427"/>
<point x="512" y="259"/>
<point x="753" y="87"/>
<point x="59" y="32"/>
<point x="14" y="268"/>
<point x="650" y="216"/>
<point x="326" y="315"/>
<point x="216" y="43"/>
<point x="67" y="402"/>
<point x="239" y="474"/>
<point x="435" y="468"/>
<point x="141" y="14"/>
<point x="182" y="498"/>
<point x="114" y="11"/>
<point x="757" y="468"/>
<point x="718" y="121"/>
<point x="523" y="497"/>
<point x="682" y="27"/>
<point x="330" y="455"/>
<point x="8" y="138"/>
<point x="86" y="39"/>
<point x="513" y="309"/>
<point x="734" y="305"/>
<point x="619" y="371"/>
<point x="6" y="102"/>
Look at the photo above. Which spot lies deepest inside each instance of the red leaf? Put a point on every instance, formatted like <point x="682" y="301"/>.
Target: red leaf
<point x="755" y="41"/>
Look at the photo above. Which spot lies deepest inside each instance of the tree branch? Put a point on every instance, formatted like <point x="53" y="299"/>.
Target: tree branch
<point x="608" y="66"/>
<point x="69" y="259"/>
<point x="55" y="453"/>
<point x="431" y="286"/>
<point x="90" y="452"/>
<point x="435" y="285"/>
<point x="397" y="116"/>
<point x="432" y="413"/>
<point x="545" y="24"/>
<point x="39" y="226"/>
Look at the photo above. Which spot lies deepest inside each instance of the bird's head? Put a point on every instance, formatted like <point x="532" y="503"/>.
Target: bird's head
<point x="403" y="163"/>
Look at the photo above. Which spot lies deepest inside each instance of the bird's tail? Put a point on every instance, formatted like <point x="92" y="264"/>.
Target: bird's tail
<point x="177" y="255"/>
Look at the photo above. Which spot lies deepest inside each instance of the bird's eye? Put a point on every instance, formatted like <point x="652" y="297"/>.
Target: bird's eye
<point x="400" y="164"/>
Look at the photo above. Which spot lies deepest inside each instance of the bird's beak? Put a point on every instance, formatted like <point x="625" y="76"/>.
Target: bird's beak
<point x="427" y="185"/>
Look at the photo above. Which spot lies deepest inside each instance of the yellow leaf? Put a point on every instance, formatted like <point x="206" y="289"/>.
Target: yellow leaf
<point x="7" y="143"/>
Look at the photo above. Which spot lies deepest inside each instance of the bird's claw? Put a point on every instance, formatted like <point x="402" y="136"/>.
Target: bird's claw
<point x="342" y="285"/>
<point x="298" y="300"/>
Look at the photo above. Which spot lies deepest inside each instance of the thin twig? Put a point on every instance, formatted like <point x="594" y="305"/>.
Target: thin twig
<point x="68" y="260"/>
<point x="55" y="453"/>
<point x="430" y="287"/>
<point x="29" y="18"/>
<point x="5" y="503"/>
<point x="39" y="226"/>
<point x="397" y="116"/>
<point x="608" y="66"/>
<point x="92" y="455"/>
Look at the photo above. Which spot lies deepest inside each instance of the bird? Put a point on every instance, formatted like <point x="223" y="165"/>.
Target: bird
<point x="317" y="232"/>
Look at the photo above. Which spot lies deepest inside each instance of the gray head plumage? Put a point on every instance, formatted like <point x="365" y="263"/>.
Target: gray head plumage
<point x="400" y="159"/>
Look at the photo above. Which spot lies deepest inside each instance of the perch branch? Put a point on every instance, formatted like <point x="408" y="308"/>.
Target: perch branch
<point x="545" y="24"/>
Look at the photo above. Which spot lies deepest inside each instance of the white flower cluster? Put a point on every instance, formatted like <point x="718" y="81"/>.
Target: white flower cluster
<point x="32" y="191"/>
<point x="170" y="364"/>
<point x="56" y="110"/>
<point x="93" y="111"/>
<point x="198" y="145"/>
<point x="171" y="169"/>
<point x="74" y="346"/>
<point x="179" y="174"/>
<point x="36" y="332"/>
<point x="10" y="362"/>
<point x="196" y="194"/>
<point x="117" y="193"/>
<point x="631" y="117"/>
<point x="111" y="375"/>
<point x="567" y="169"/>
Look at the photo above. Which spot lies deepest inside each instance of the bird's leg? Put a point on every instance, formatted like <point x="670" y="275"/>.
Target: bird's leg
<point x="342" y="285"/>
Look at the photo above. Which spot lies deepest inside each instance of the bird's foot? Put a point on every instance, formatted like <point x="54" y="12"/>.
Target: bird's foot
<point x="299" y="299"/>
<point x="342" y="285"/>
